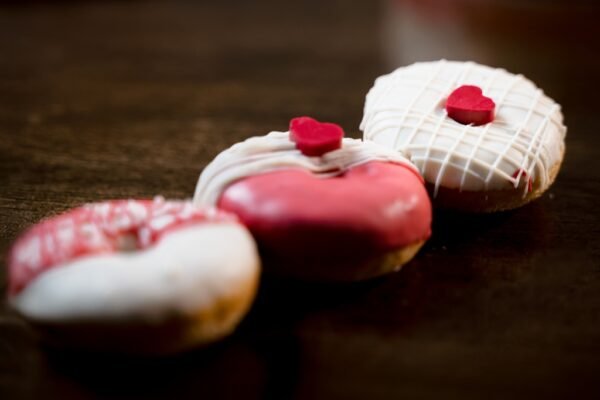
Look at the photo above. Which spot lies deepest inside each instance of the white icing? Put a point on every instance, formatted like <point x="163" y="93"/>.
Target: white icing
<point x="276" y="151"/>
<point x="187" y="270"/>
<point x="405" y="110"/>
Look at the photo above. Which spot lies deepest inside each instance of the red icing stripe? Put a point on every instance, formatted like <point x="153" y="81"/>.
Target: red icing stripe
<point x="521" y="171"/>
<point x="99" y="228"/>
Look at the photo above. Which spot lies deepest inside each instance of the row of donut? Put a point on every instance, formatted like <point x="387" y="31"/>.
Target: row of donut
<point x="157" y="276"/>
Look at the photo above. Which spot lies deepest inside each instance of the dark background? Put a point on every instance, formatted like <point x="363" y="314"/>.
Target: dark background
<point x="106" y="100"/>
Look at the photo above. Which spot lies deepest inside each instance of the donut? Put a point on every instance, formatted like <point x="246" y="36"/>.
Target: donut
<point x="483" y="139"/>
<point x="134" y="276"/>
<point x="321" y="207"/>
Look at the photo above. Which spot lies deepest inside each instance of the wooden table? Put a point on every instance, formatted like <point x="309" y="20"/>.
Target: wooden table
<point x="108" y="100"/>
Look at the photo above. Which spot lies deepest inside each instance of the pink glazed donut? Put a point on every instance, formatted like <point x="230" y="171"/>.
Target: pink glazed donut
<point x="135" y="276"/>
<point x="320" y="206"/>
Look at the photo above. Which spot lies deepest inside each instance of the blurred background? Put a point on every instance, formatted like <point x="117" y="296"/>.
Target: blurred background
<point x="107" y="99"/>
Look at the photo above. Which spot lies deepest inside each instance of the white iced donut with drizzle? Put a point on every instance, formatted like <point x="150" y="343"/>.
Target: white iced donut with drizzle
<point x="139" y="276"/>
<point x="493" y="166"/>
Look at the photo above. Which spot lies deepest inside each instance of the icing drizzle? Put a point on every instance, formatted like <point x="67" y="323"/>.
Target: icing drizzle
<point x="99" y="228"/>
<point x="404" y="110"/>
<point x="276" y="151"/>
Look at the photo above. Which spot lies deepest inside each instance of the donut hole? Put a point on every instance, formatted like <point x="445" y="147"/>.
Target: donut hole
<point x="127" y="243"/>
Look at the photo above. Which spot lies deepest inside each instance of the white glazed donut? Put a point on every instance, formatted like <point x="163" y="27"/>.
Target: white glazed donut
<point x="140" y="276"/>
<point x="500" y="165"/>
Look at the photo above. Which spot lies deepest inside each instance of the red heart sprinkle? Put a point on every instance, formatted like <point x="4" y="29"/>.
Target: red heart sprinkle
<point x="467" y="105"/>
<point x="314" y="138"/>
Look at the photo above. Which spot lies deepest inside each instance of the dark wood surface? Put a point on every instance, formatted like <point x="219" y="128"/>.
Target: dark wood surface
<point x="106" y="100"/>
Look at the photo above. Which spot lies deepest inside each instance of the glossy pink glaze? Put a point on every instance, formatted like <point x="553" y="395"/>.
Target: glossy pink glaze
<point x="98" y="228"/>
<point x="372" y="208"/>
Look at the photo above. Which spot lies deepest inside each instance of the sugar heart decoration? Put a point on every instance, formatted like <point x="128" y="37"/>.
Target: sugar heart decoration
<point x="314" y="138"/>
<point x="467" y="105"/>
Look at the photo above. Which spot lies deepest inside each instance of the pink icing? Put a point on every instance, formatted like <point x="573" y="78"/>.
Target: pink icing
<point x="369" y="209"/>
<point x="99" y="228"/>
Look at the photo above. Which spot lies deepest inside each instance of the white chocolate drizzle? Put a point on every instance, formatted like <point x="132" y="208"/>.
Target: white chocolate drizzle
<point x="276" y="151"/>
<point x="405" y="110"/>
